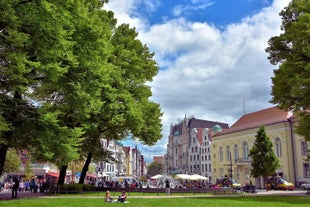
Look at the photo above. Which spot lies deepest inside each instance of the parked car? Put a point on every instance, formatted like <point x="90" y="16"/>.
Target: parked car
<point x="305" y="186"/>
<point x="236" y="185"/>
<point x="278" y="183"/>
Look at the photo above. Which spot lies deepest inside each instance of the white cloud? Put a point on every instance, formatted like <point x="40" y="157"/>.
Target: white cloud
<point x="194" y="6"/>
<point x="205" y="71"/>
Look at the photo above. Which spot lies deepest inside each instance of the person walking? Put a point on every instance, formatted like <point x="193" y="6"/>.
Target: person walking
<point x="15" y="187"/>
<point x="167" y="182"/>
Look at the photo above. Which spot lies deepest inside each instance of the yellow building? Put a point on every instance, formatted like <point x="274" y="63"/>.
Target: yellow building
<point x="230" y="148"/>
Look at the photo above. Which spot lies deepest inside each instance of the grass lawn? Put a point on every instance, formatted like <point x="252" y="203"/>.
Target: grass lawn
<point x="230" y="201"/>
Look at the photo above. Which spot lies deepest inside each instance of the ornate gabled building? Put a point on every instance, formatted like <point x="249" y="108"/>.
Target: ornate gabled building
<point x="188" y="148"/>
<point x="230" y="148"/>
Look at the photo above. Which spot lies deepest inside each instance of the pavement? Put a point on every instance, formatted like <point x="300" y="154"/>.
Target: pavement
<point x="23" y="195"/>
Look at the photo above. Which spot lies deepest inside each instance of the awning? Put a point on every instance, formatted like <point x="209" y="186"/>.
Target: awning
<point x="56" y="175"/>
<point x="91" y="175"/>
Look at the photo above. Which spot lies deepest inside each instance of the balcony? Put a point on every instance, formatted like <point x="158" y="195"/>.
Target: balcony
<point x="243" y="161"/>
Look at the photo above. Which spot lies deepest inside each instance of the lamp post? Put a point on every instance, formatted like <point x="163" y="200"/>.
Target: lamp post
<point x="97" y="170"/>
<point x="230" y="169"/>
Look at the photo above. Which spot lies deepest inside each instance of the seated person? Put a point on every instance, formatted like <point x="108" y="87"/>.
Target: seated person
<point x="122" y="198"/>
<point x="108" y="197"/>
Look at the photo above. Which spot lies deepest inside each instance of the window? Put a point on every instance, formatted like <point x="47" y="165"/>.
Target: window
<point x="306" y="170"/>
<point x="228" y="153"/>
<point x="304" y="148"/>
<point x="236" y="152"/>
<point x="245" y="150"/>
<point x="278" y="147"/>
<point x="221" y="154"/>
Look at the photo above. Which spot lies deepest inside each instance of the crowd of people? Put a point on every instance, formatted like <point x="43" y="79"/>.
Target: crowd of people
<point x="20" y="185"/>
<point x="116" y="184"/>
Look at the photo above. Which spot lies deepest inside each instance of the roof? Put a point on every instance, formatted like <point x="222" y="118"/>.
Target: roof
<point x="256" y="119"/>
<point x="198" y="123"/>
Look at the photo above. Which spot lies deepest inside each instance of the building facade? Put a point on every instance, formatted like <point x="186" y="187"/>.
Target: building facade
<point x="188" y="148"/>
<point x="231" y="147"/>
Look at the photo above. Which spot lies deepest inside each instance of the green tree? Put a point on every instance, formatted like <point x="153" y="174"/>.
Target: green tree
<point x="264" y="161"/>
<point x="127" y="109"/>
<point x="13" y="162"/>
<point x="36" y="52"/>
<point x="291" y="52"/>
<point x="154" y="168"/>
<point x="28" y="170"/>
<point x="69" y="75"/>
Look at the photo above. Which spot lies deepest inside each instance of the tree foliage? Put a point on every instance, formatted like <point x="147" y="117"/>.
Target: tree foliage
<point x="291" y="51"/>
<point x="70" y="76"/>
<point x="264" y="161"/>
<point x="13" y="162"/>
<point x="28" y="171"/>
<point x="154" y="168"/>
<point x="36" y="53"/>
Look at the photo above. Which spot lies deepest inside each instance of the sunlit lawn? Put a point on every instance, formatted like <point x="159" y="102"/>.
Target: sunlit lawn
<point x="230" y="201"/>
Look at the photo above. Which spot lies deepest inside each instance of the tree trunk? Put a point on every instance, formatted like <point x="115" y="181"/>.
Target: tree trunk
<point x="85" y="168"/>
<point x="62" y="174"/>
<point x="3" y="151"/>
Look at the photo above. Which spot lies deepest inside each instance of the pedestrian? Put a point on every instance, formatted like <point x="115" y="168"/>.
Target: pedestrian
<point x="167" y="187"/>
<point x="32" y="185"/>
<point x="15" y="187"/>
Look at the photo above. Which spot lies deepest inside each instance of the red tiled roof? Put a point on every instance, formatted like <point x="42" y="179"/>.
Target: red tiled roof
<point x="264" y="117"/>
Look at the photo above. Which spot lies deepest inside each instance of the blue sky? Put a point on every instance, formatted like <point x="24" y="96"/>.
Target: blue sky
<point x="219" y="12"/>
<point x="211" y="55"/>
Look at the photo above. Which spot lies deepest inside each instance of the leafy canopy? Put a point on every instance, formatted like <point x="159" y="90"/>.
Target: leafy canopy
<point x="291" y="52"/>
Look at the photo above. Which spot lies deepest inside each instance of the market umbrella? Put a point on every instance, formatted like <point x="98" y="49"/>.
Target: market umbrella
<point x="182" y="176"/>
<point x="156" y="177"/>
<point x="198" y="177"/>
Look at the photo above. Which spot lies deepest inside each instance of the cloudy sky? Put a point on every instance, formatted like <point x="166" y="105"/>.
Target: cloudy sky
<point x="211" y="55"/>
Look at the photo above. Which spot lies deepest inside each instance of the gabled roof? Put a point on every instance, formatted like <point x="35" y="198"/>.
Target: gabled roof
<point x="264" y="117"/>
<point x="198" y="123"/>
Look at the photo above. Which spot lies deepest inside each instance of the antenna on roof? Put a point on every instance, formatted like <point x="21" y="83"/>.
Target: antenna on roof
<point x="244" y="111"/>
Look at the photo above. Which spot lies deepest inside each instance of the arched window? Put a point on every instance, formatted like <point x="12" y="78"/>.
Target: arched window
<point x="236" y="153"/>
<point x="228" y="153"/>
<point x="221" y="154"/>
<point x="278" y="147"/>
<point x="245" y="150"/>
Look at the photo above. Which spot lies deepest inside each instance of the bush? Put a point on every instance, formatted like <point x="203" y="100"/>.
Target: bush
<point x="72" y="188"/>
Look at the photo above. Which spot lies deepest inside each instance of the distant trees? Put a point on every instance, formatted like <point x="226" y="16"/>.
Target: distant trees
<point x="264" y="161"/>
<point x="13" y="162"/>
<point x="70" y="76"/>
<point x="290" y="50"/>
<point x="154" y="168"/>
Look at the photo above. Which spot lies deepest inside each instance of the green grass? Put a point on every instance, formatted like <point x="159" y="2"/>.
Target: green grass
<point x="230" y="201"/>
